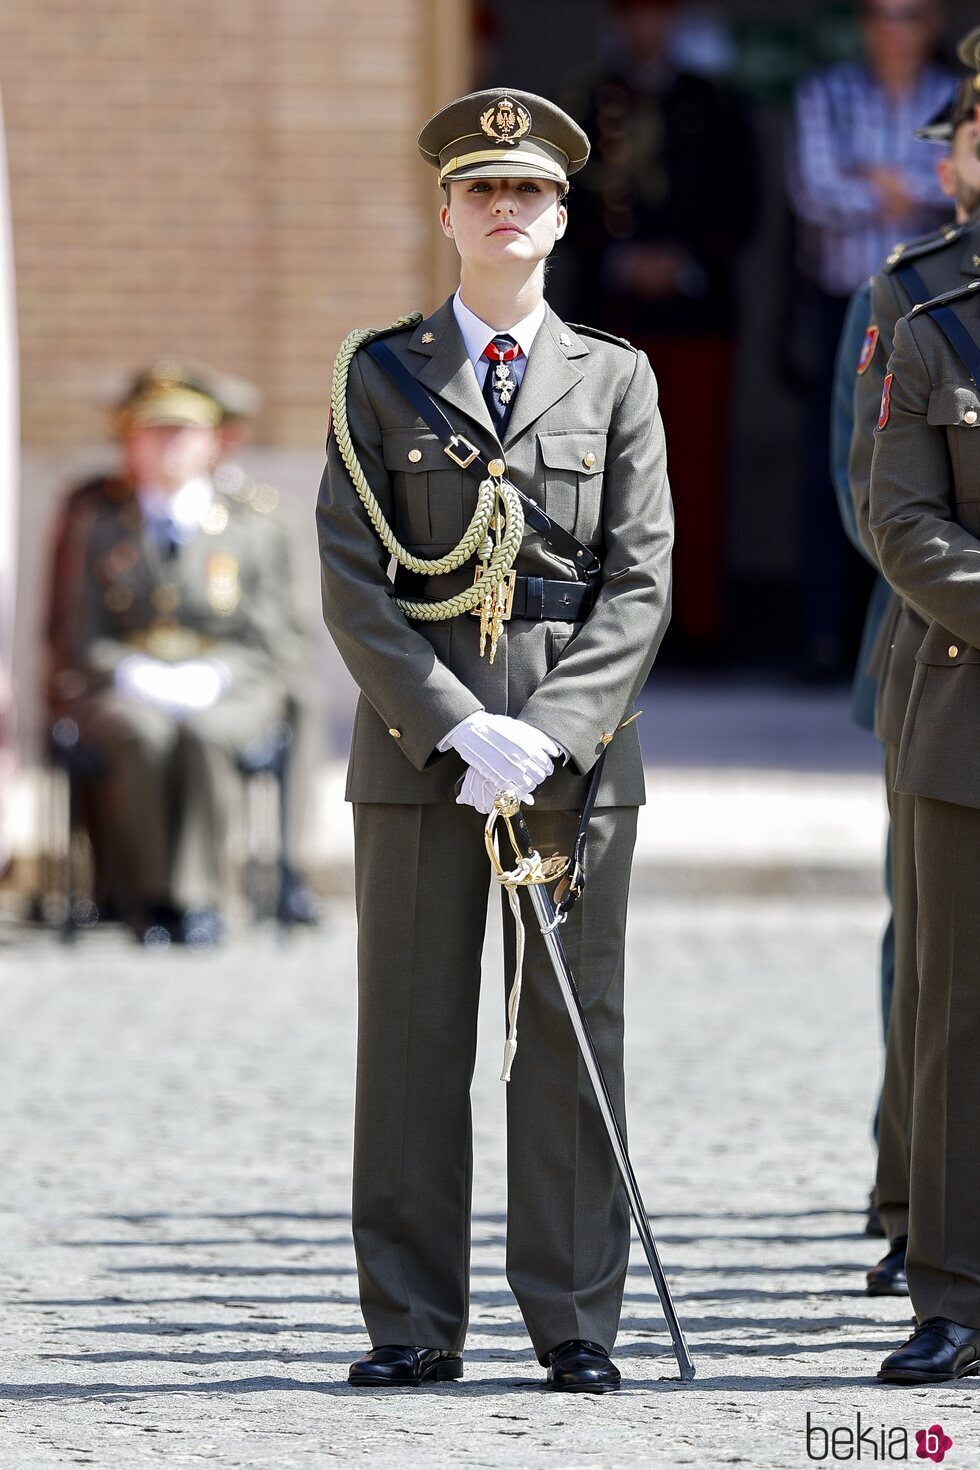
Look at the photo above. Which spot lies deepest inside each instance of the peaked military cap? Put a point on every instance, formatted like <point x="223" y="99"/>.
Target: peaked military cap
<point x="968" y="50"/>
<point x="959" y="109"/>
<point x="503" y="134"/>
<point x="178" y="392"/>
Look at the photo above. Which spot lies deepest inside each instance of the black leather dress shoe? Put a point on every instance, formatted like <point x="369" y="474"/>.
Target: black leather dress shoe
<point x="581" y="1367"/>
<point x="157" y="926"/>
<point x="297" y="903"/>
<point x="937" y="1351"/>
<point x="872" y="1220"/>
<point x="404" y="1367"/>
<point x="888" y="1278"/>
<point x="202" y="928"/>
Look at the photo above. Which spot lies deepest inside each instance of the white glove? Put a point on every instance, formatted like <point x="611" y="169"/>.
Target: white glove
<point x="197" y="685"/>
<point x="477" y="792"/>
<point x="177" y="689"/>
<point x="143" y="678"/>
<point x="511" y="754"/>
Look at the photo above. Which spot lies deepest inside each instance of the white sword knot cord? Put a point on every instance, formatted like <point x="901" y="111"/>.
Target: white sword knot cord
<point x="528" y="871"/>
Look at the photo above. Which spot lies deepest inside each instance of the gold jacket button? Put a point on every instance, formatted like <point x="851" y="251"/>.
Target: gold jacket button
<point x="953" y="650"/>
<point x="588" y="460"/>
<point x="414" y="455"/>
<point x="607" y="739"/>
<point x="395" y="734"/>
<point x="970" y="417"/>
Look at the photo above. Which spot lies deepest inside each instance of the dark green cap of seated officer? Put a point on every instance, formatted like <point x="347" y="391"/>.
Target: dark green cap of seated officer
<point x="503" y="134"/>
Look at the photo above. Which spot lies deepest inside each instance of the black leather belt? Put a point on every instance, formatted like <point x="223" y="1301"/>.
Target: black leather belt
<point x="536" y="598"/>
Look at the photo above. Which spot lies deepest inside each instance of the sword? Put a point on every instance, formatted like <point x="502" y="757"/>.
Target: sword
<point x="538" y="873"/>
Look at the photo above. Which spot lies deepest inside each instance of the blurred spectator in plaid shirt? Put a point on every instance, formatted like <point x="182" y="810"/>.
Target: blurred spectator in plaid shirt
<point x="859" y="181"/>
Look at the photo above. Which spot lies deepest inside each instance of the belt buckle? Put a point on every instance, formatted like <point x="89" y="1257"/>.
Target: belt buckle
<point x="455" y="441"/>
<point x="509" y="586"/>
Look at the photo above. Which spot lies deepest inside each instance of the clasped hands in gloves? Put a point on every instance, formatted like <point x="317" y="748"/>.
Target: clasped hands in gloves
<point x="501" y="754"/>
<point x="177" y="689"/>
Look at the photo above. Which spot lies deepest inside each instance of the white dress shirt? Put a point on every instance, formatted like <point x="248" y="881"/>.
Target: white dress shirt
<point x="477" y="334"/>
<point x="183" y="512"/>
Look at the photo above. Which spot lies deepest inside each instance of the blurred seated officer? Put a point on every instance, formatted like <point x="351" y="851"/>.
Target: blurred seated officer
<point x="165" y="628"/>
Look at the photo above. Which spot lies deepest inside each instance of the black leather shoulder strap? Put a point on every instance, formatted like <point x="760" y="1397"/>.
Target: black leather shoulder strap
<point x="467" y="456"/>
<point x="912" y="284"/>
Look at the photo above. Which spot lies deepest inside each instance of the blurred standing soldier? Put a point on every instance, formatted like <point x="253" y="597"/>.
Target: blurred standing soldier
<point x="858" y="178"/>
<point x="571" y="415"/>
<point x="656" y="249"/>
<point x="913" y="273"/>
<point x="925" y="519"/>
<point x="165" y="625"/>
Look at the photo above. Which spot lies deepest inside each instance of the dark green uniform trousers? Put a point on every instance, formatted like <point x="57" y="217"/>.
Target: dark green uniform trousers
<point x="944" y="1236"/>
<point x="168" y="792"/>
<point x="422" y="883"/>
<point x="895" y="1110"/>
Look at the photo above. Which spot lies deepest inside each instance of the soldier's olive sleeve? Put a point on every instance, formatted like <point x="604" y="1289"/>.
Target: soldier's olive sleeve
<point x="927" y="556"/>
<point x="85" y="651"/>
<point x="605" y="665"/>
<point x="887" y="307"/>
<point x="392" y="663"/>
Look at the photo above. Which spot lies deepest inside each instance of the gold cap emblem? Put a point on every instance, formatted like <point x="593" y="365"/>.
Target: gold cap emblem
<point x="506" y="121"/>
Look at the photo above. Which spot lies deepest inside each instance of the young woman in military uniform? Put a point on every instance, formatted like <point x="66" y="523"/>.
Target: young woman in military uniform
<point x="454" y="709"/>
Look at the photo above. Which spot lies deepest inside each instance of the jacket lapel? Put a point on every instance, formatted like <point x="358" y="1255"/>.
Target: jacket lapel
<point x="448" y="373"/>
<point x="549" y="375"/>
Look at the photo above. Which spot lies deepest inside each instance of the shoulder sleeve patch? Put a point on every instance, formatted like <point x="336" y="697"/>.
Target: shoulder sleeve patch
<point x="867" y="350"/>
<point x="886" y="400"/>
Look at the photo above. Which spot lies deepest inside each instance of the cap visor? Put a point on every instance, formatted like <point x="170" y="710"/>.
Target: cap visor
<point x="501" y="169"/>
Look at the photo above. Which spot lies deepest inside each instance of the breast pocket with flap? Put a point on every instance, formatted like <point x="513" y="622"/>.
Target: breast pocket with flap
<point x="956" y="407"/>
<point x="571" y="471"/>
<point x="434" y="499"/>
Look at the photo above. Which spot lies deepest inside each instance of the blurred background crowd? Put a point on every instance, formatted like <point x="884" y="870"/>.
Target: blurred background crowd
<point x="204" y="200"/>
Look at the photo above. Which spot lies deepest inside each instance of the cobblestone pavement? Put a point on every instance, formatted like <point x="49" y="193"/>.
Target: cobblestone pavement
<point x="177" y="1269"/>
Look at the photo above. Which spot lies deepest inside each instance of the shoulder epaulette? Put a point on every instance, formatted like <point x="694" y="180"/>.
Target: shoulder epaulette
<point x="410" y="322"/>
<point x="958" y="293"/>
<point x="603" y="336"/>
<point x="924" y="245"/>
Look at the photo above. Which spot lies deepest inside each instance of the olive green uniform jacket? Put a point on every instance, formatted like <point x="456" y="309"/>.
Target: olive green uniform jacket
<point x="943" y="260"/>
<point x="589" y="446"/>
<point x="925" y="518"/>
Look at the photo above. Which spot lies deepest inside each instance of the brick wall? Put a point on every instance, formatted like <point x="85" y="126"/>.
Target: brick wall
<point x="235" y="180"/>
